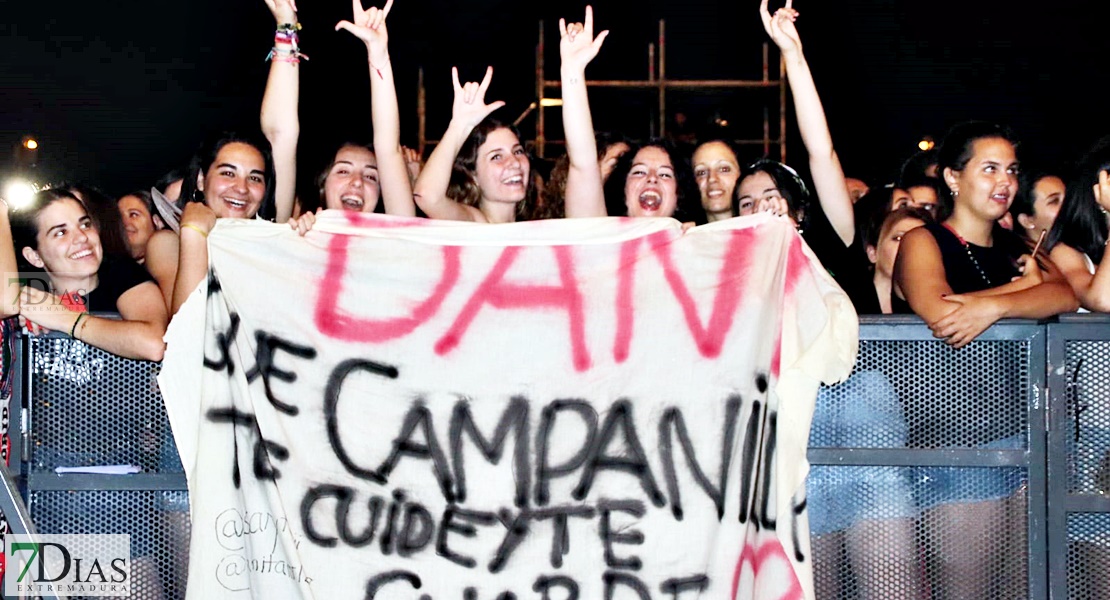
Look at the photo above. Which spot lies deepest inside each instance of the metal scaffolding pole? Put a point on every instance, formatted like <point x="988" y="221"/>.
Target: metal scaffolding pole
<point x="656" y="80"/>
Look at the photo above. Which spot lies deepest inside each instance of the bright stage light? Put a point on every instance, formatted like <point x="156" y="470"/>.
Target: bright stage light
<point x="31" y="143"/>
<point x="18" y="193"/>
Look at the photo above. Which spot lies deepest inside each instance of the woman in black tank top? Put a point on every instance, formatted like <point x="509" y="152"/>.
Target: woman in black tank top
<point x="961" y="276"/>
<point x="967" y="272"/>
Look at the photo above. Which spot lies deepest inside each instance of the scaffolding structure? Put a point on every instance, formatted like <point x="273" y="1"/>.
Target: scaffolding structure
<point x="657" y="80"/>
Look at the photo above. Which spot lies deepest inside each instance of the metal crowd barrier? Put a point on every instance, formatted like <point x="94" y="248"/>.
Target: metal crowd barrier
<point x="937" y="474"/>
<point x="79" y="406"/>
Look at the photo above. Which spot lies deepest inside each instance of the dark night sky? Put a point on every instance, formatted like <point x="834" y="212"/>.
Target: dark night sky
<point x="118" y="92"/>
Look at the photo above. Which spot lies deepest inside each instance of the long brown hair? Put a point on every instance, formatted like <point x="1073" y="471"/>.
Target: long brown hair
<point x="463" y="186"/>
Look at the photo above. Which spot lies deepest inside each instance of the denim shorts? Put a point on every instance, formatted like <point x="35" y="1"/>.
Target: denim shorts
<point x="840" y="497"/>
<point x="934" y="486"/>
<point x="862" y="412"/>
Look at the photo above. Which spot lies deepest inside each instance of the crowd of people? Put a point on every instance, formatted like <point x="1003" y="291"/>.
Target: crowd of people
<point x="965" y="236"/>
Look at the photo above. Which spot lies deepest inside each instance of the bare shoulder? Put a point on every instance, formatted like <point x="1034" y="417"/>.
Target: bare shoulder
<point x="473" y="214"/>
<point x="162" y="253"/>
<point x="918" y="256"/>
<point x="919" y="235"/>
<point x="163" y="241"/>
<point x="1067" y="258"/>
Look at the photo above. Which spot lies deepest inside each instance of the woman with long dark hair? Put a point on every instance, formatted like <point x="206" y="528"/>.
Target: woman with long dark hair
<point x="825" y="217"/>
<point x="649" y="180"/>
<point x="359" y="176"/>
<point x="1077" y="240"/>
<point x="965" y="273"/>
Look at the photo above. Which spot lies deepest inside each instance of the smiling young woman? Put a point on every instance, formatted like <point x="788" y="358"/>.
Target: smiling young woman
<point x="716" y="171"/>
<point x="56" y="235"/>
<point x="230" y="176"/>
<point x="140" y="221"/>
<point x="479" y="171"/>
<point x="358" y="177"/>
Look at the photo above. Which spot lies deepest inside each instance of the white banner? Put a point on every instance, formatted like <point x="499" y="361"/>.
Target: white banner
<point x="595" y="408"/>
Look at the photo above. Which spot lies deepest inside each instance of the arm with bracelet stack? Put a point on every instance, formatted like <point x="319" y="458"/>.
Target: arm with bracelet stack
<point x="279" y="119"/>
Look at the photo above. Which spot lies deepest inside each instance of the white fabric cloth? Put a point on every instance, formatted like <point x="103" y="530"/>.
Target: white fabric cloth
<point x="389" y="404"/>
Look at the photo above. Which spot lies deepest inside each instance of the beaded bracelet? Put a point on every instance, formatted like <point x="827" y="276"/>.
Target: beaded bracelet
<point x="286" y="33"/>
<point x="290" y="55"/>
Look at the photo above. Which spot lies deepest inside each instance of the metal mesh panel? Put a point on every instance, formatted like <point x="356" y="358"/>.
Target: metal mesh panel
<point x="862" y="523"/>
<point x="89" y="407"/>
<point x="1089" y="556"/>
<point x="1088" y="395"/>
<point x="949" y="398"/>
<point x="912" y="532"/>
<point x="918" y="532"/>
<point x="154" y="551"/>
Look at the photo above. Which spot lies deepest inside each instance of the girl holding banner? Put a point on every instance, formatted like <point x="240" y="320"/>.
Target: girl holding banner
<point x="231" y="176"/>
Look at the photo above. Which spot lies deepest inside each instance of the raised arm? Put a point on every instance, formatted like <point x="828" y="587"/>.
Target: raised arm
<point x="584" y="196"/>
<point x="430" y="191"/>
<point x="824" y="165"/>
<point x="279" y="105"/>
<point x="9" y="304"/>
<point x="369" y="26"/>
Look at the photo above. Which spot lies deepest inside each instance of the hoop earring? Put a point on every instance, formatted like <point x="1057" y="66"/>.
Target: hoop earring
<point x="198" y="196"/>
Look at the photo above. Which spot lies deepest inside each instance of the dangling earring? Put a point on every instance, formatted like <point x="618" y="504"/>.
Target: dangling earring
<point x="198" y="196"/>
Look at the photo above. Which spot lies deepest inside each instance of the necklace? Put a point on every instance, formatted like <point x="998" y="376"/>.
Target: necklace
<point x="970" y="256"/>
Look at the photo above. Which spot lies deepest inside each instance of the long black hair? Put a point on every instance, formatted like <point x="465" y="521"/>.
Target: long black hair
<point x="1081" y="222"/>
